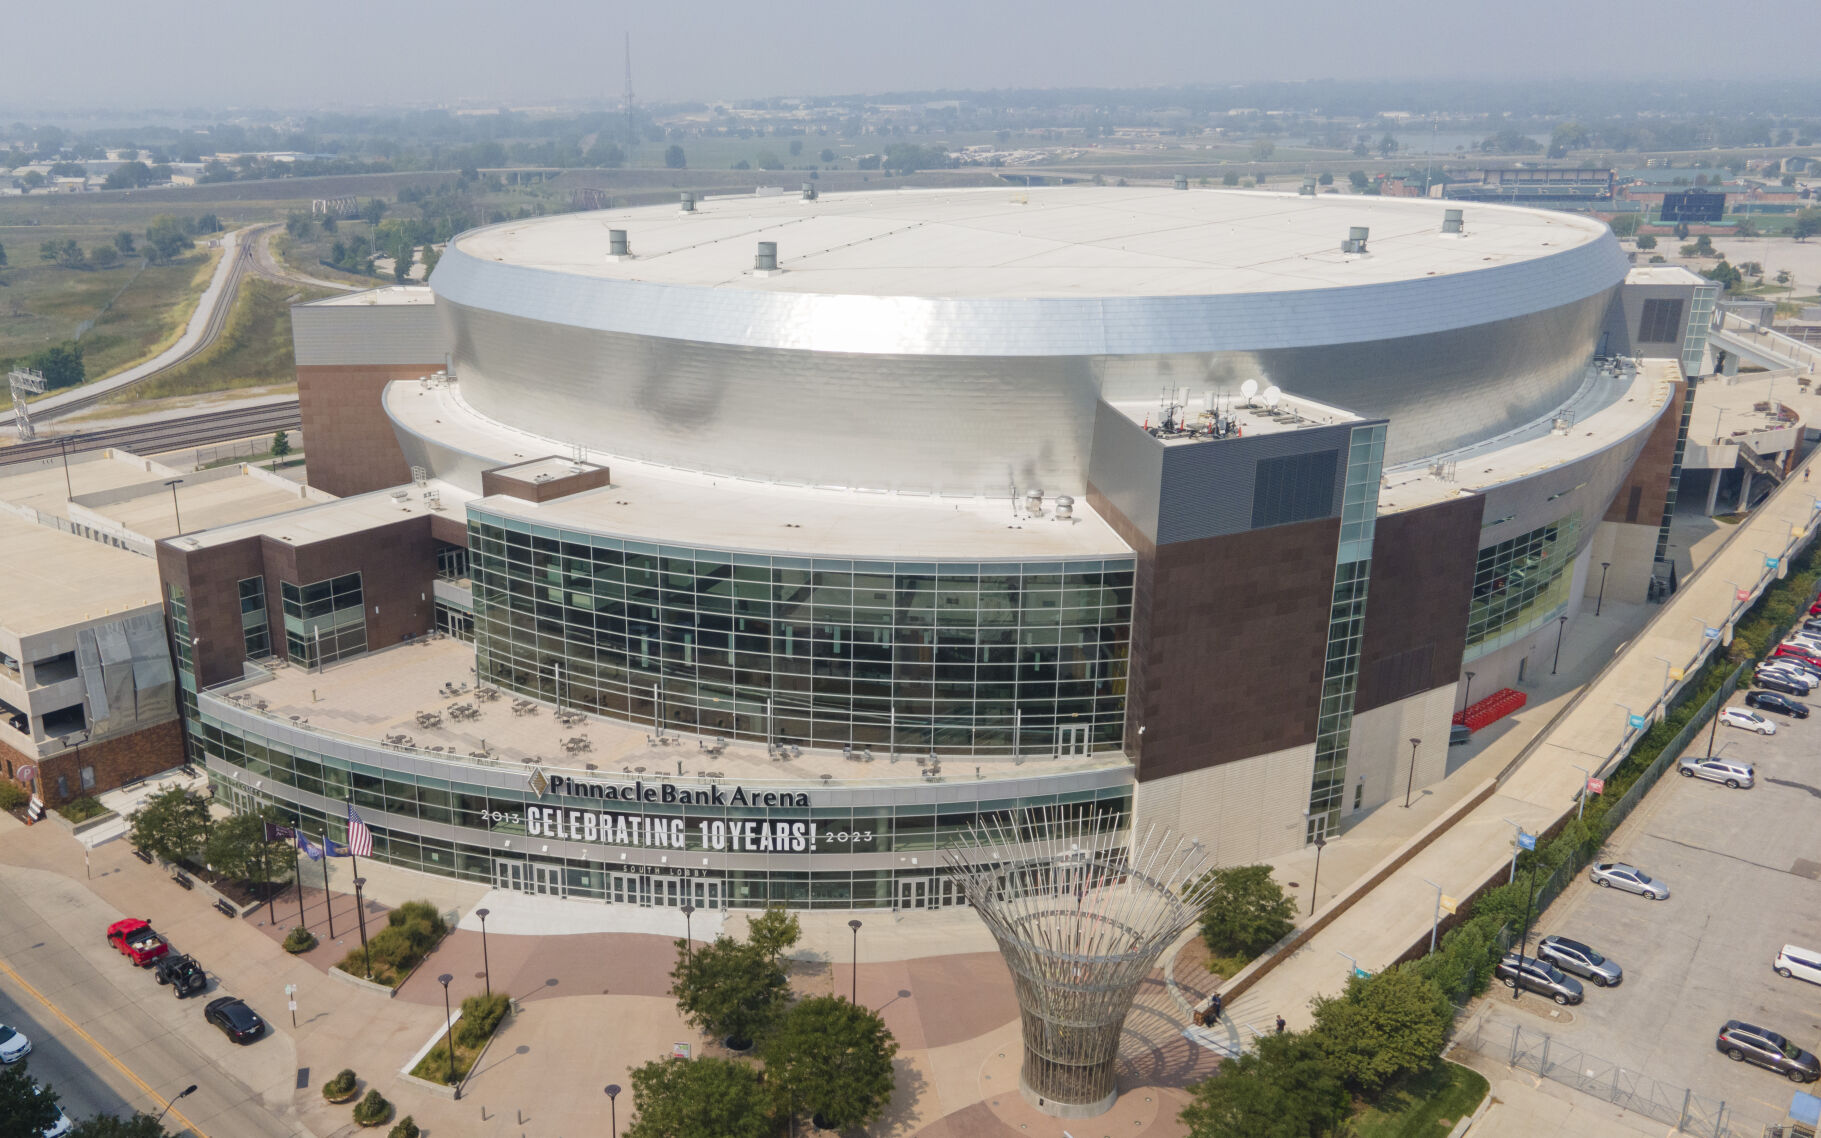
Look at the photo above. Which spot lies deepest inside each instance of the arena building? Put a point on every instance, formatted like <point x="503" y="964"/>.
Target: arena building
<point x="748" y="550"/>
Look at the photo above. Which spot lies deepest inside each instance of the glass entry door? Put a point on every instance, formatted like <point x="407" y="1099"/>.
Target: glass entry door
<point x="547" y="879"/>
<point x="510" y="875"/>
<point x="1072" y="741"/>
<point x="914" y="893"/>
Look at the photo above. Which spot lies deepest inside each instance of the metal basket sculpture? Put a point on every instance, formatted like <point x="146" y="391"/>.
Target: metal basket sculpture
<point x="1080" y="918"/>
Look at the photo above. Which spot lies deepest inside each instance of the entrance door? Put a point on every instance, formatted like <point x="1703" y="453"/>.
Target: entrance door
<point x="510" y="875"/>
<point x="949" y="893"/>
<point x="1072" y="741"/>
<point x="704" y="893"/>
<point x="547" y="879"/>
<point x="913" y="893"/>
<point x="629" y="888"/>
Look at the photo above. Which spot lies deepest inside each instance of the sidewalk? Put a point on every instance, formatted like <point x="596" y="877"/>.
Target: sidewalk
<point x="1396" y="915"/>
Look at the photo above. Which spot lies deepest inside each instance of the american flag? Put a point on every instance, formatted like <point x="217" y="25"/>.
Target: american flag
<point x="360" y="839"/>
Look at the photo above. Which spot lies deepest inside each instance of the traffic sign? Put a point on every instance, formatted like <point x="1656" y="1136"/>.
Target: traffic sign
<point x="1635" y="722"/>
<point x="1450" y="904"/>
<point x="1596" y="786"/>
<point x="1526" y="841"/>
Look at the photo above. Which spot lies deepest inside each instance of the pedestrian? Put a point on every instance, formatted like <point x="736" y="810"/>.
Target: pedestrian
<point x="1214" y="1006"/>
<point x="1805" y="474"/>
<point x="1281" y="1025"/>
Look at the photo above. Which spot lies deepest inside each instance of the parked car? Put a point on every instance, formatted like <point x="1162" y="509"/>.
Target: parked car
<point x="1744" y="1043"/>
<point x="1797" y="652"/>
<point x="1736" y="776"/>
<point x="1777" y="702"/>
<point x="1459" y="734"/>
<point x="1747" y="720"/>
<point x="1618" y="875"/>
<point x="1534" y="975"/>
<point x="1805" y="669"/>
<point x="236" y="1021"/>
<point x="1808" y="640"/>
<point x="14" y="1046"/>
<point x="1815" y="609"/>
<point x="1798" y="963"/>
<point x="182" y="973"/>
<point x="1786" y="681"/>
<point x="1580" y="959"/>
<point x="62" y="1126"/>
<point x="136" y="941"/>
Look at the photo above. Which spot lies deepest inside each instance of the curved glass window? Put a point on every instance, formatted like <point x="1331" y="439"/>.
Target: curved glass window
<point x="902" y="657"/>
<point x="1520" y="584"/>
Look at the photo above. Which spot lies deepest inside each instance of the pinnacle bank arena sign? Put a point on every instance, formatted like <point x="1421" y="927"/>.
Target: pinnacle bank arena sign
<point x="663" y="792"/>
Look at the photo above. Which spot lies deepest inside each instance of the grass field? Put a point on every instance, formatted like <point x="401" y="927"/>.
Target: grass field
<point x="1423" y="1106"/>
<point x="122" y="314"/>
<point x="254" y="349"/>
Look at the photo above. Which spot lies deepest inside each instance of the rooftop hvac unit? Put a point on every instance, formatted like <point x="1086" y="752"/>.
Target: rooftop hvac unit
<point x="809" y="192"/>
<point x="1182" y="181"/>
<point x="767" y="259"/>
<point x="687" y="202"/>
<point x="1356" y="240"/>
<point x="1451" y="221"/>
<point x="617" y="246"/>
<point x="1308" y="189"/>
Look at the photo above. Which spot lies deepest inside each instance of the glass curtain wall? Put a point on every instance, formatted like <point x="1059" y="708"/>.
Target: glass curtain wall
<point x="1520" y="584"/>
<point x="255" y="630"/>
<point x="325" y="621"/>
<point x="890" y="657"/>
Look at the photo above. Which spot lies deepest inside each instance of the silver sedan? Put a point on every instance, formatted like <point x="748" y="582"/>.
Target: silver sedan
<point x="1618" y="875"/>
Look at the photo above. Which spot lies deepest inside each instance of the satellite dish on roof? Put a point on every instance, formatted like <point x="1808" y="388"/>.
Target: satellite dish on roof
<point x="1249" y="388"/>
<point x="1273" y="395"/>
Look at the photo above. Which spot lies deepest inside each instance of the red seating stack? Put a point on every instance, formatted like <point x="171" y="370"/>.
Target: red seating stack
<point x="1492" y="709"/>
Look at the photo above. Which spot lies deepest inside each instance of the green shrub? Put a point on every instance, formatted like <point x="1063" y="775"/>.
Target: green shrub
<point x="341" y="1086"/>
<point x="411" y="931"/>
<point x="299" y="940"/>
<point x="81" y="809"/>
<point x="480" y="1016"/>
<point x="373" y="1110"/>
<point x="403" y="1128"/>
<point x="12" y="795"/>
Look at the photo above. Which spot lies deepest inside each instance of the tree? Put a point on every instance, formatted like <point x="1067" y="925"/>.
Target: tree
<point x="128" y="176"/>
<point x="401" y="262"/>
<point x="1326" y="178"/>
<point x="1382" y="1027"/>
<point x="1281" y="1089"/>
<point x="773" y="932"/>
<point x="373" y="210"/>
<point x="1357" y="179"/>
<point x="60" y="364"/>
<point x="674" y="158"/>
<point x="2" y="256"/>
<point x="1247" y="911"/>
<point x="108" y="1126"/>
<point x="26" y="1111"/>
<point x="796" y="147"/>
<point x="1751" y="269"/>
<point x="173" y="825"/>
<point x="65" y="253"/>
<point x="1262" y="149"/>
<point x="1230" y="178"/>
<point x="236" y="847"/>
<point x="430" y="258"/>
<point x="1808" y="223"/>
<point x="606" y="155"/>
<point x="827" y="155"/>
<point x="104" y="256"/>
<point x="1387" y="146"/>
<point x="165" y="238"/>
<point x="1624" y="225"/>
<point x="123" y="241"/>
<point x="833" y="1059"/>
<point x="1647" y="242"/>
<point x="730" y="989"/>
<point x="700" y="1098"/>
<point x="1728" y="277"/>
<point x="768" y="161"/>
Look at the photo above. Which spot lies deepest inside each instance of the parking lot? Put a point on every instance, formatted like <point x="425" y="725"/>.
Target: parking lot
<point x="1744" y="870"/>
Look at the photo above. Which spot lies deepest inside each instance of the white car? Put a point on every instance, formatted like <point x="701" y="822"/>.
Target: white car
<point x="1747" y="720"/>
<point x="62" y="1126"/>
<point x="1807" y="640"/>
<point x="14" y="1046"/>
<point x="1795" y="962"/>
<point x="1734" y="775"/>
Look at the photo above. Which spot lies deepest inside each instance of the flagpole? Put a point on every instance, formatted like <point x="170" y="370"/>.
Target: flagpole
<point x="353" y="861"/>
<point x="301" y="922"/>
<point x="265" y="854"/>
<point x="328" y="899"/>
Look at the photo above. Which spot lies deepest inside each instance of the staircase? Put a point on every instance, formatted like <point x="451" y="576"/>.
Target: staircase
<point x="1760" y="464"/>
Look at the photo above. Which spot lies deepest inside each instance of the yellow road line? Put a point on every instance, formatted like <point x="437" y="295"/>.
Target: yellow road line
<point x="162" y="1102"/>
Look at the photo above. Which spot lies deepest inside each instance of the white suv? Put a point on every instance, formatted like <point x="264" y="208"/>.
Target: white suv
<point x="1735" y="775"/>
<point x="1799" y="964"/>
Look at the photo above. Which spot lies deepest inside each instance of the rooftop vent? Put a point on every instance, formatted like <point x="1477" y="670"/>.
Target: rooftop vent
<point x="687" y="202"/>
<point x="1451" y="221"/>
<point x="617" y="245"/>
<point x="1182" y="181"/>
<point x="1308" y="190"/>
<point x="767" y="260"/>
<point x="1356" y="240"/>
<point x="1065" y="507"/>
<point x="1033" y="501"/>
<point x="809" y="192"/>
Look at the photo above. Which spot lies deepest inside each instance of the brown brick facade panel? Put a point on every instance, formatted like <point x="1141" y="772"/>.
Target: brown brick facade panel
<point x="210" y="578"/>
<point x="116" y="761"/>
<point x="529" y="490"/>
<point x="397" y="563"/>
<point x="348" y="439"/>
<point x="1640" y="499"/>
<point x="1416" y="604"/>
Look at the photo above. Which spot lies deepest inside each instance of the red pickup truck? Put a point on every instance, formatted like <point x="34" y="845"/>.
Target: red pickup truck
<point x="136" y="941"/>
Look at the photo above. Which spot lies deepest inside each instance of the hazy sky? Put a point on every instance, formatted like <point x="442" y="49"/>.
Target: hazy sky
<point x="224" y="52"/>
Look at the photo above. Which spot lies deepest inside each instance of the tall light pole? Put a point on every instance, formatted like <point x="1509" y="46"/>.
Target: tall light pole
<point x="1580" y="811"/>
<point x="1315" y="882"/>
<point x="448" y="1025"/>
<point x="184" y="1093"/>
<point x="486" y="968"/>
<point x="613" y="1108"/>
<point x="688" y="939"/>
<point x="1560" y="626"/>
<point x="173" y="484"/>
<point x="1601" y="599"/>
<point x="1514" y="849"/>
<point x="854" y="994"/>
<point x="1467" y="696"/>
<point x="1410" y="783"/>
<point x="1436" y="924"/>
<point x="360" y="911"/>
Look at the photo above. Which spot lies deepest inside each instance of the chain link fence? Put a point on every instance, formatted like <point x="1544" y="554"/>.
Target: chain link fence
<point x="1528" y="1049"/>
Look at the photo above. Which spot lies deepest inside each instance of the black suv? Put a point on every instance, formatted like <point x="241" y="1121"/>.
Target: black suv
<point x="182" y="973"/>
<point x="1539" y="976"/>
<point x="1744" y="1043"/>
<point x="1777" y="702"/>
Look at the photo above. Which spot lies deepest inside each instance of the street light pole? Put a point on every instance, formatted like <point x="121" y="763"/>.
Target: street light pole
<point x="1601" y="600"/>
<point x="1580" y="811"/>
<point x="173" y="484"/>
<point x="360" y="913"/>
<point x="448" y="1025"/>
<point x="486" y="968"/>
<point x="1315" y="882"/>
<point x="1410" y="783"/>
<point x="688" y="938"/>
<point x="1561" y="625"/>
<point x="854" y="993"/>
<point x="1467" y="696"/>
<point x="613" y="1108"/>
<point x="1514" y="849"/>
<point x="1436" y="924"/>
<point x="184" y="1093"/>
<point x="1517" y="990"/>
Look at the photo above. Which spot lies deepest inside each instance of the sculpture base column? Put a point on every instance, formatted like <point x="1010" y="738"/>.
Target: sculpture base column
<point x="1056" y="1109"/>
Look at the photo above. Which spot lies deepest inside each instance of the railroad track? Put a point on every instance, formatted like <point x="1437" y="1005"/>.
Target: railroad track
<point x="170" y="434"/>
